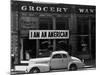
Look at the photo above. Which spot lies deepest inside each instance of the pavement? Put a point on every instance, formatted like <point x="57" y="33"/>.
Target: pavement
<point x="90" y="65"/>
<point x="62" y="70"/>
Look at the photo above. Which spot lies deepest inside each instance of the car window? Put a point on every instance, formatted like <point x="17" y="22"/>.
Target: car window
<point x="57" y="56"/>
<point x="64" y="56"/>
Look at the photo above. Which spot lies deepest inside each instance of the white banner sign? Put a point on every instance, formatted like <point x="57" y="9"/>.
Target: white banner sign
<point x="48" y="34"/>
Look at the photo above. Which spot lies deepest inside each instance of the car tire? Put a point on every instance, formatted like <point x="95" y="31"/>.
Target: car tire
<point x="73" y="67"/>
<point x="34" y="70"/>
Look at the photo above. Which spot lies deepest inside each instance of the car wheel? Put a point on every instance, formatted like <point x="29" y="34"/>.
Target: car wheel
<point x="73" y="67"/>
<point x="34" y="70"/>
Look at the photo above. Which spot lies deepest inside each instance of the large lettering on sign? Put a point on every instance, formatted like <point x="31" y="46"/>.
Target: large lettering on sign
<point x="45" y="8"/>
<point x="85" y="10"/>
<point x="48" y="34"/>
<point x="53" y="8"/>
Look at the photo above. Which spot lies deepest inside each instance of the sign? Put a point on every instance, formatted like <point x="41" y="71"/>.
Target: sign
<point x="48" y="34"/>
<point x="44" y="8"/>
<point x="85" y="9"/>
<point x="23" y="6"/>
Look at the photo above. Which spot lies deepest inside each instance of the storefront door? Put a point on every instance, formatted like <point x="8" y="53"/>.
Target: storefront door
<point x="29" y="49"/>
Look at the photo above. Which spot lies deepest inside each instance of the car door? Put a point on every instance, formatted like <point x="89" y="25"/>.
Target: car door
<point x="65" y="60"/>
<point x="56" y="61"/>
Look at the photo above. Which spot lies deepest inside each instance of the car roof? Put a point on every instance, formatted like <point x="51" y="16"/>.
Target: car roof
<point x="60" y="52"/>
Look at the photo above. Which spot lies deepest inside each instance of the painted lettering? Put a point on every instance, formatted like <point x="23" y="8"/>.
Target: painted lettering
<point x="38" y="8"/>
<point x="45" y="9"/>
<point x="81" y="10"/>
<point x="59" y="10"/>
<point x="65" y="9"/>
<point x="52" y="9"/>
<point x="24" y="8"/>
<point x="31" y="8"/>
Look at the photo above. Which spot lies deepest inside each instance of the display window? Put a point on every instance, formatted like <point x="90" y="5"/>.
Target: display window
<point x="45" y="23"/>
<point x="84" y="37"/>
<point x="62" y="24"/>
<point x="83" y="25"/>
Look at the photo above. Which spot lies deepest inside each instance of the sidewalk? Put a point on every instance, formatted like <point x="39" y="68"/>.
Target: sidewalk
<point x="90" y="63"/>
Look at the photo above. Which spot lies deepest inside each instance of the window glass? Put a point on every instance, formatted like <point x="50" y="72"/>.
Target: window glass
<point x="83" y="37"/>
<point x="64" y="56"/>
<point x="45" y="23"/>
<point x="57" y="56"/>
<point x="93" y="37"/>
<point x="83" y="25"/>
<point x="45" y="47"/>
<point x="62" y="23"/>
<point x="62" y="44"/>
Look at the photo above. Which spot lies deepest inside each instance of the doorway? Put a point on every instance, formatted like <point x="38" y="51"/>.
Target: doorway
<point x="29" y="49"/>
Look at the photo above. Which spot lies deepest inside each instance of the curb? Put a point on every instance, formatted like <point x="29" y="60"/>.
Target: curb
<point x="89" y="66"/>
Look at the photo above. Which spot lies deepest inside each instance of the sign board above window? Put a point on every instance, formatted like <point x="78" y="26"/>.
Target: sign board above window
<point x="52" y="8"/>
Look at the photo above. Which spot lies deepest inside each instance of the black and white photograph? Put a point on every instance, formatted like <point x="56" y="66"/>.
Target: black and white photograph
<point x="52" y="37"/>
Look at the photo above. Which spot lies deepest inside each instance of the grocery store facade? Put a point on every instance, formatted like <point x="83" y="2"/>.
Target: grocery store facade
<point x="71" y="28"/>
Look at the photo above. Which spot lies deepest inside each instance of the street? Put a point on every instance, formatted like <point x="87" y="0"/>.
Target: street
<point x="62" y="70"/>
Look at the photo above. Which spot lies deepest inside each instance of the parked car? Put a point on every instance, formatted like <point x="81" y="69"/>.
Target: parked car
<point x="57" y="60"/>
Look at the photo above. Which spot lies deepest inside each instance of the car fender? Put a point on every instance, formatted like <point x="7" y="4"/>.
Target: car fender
<point x="41" y="67"/>
<point x="77" y="63"/>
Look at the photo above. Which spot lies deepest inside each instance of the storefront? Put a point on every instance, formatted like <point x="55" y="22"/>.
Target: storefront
<point x="69" y="27"/>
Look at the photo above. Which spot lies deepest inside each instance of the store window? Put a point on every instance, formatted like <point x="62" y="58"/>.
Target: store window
<point x="83" y="25"/>
<point x="45" y="45"/>
<point x="45" y="23"/>
<point x="83" y="38"/>
<point x="62" y="24"/>
<point x="93" y="37"/>
<point x="83" y="44"/>
<point x="62" y="44"/>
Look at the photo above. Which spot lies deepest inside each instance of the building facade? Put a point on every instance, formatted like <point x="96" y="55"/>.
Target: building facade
<point x="78" y="20"/>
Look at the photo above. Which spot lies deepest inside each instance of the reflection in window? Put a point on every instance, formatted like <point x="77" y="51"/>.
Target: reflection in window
<point x="62" y="44"/>
<point x="45" y="47"/>
<point x="62" y="24"/>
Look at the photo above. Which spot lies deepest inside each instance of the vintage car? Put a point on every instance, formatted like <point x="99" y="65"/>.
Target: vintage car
<point x="57" y="60"/>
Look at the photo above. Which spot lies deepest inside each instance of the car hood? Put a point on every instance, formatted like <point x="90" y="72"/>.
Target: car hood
<point x="40" y="60"/>
<point x="75" y="58"/>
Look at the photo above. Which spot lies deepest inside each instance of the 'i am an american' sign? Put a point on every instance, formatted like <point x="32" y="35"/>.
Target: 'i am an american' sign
<point x="48" y="34"/>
